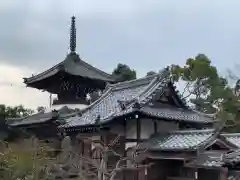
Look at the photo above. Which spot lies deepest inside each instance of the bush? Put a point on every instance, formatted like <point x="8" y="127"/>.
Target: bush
<point x="27" y="160"/>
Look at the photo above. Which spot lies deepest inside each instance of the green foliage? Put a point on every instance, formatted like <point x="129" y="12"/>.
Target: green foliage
<point x="205" y="88"/>
<point x="24" y="163"/>
<point x="41" y="109"/>
<point x="14" y="112"/>
<point x="150" y="73"/>
<point x="124" y="73"/>
<point x="237" y="87"/>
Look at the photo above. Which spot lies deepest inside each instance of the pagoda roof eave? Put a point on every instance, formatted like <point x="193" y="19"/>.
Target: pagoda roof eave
<point x="72" y="65"/>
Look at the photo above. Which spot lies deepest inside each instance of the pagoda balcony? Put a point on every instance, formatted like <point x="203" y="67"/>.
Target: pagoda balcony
<point x="61" y="101"/>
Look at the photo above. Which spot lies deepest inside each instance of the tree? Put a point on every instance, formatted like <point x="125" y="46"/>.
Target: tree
<point x="41" y="109"/>
<point x="205" y="88"/>
<point x="94" y="165"/>
<point x="14" y="112"/>
<point x="150" y="73"/>
<point x="235" y="86"/>
<point x="124" y="73"/>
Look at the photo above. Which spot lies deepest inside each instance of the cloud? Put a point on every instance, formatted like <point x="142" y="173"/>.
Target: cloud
<point x="127" y="31"/>
<point x="14" y="92"/>
<point x="146" y="35"/>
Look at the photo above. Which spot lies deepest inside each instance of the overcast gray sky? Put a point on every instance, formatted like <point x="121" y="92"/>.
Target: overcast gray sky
<point x="145" y="34"/>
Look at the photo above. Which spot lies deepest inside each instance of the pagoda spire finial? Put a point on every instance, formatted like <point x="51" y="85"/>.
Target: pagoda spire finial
<point x="73" y="35"/>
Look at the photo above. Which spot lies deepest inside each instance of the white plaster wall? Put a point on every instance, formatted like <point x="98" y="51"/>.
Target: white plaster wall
<point x="166" y="126"/>
<point x="147" y="128"/>
<point x="117" y="129"/>
<point x="131" y="129"/>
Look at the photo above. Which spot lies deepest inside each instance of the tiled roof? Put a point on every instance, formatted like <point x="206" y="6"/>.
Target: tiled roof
<point x="232" y="158"/>
<point x="210" y="159"/>
<point x="33" y="119"/>
<point x="128" y="92"/>
<point x="42" y="117"/>
<point x="75" y="66"/>
<point x="141" y="90"/>
<point x="179" y="140"/>
<point x="232" y="177"/>
<point x="218" y="158"/>
<point x="177" y="114"/>
<point x="212" y="163"/>
<point x="233" y="138"/>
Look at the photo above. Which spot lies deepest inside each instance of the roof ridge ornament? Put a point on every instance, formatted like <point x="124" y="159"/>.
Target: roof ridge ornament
<point x="73" y="36"/>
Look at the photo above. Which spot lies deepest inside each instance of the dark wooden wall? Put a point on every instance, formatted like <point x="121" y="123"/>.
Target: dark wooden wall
<point x="208" y="174"/>
<point x="163" y="169"/>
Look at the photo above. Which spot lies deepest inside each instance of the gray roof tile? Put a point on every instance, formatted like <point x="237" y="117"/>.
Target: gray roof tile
<point x="232" y="177"/>
<point x="233" y="138"/>
<point x="210" y="159"/>
<point x="179" y="140"/>
<point x="232" y="157"/>
<point x="108" y="105"/>
<point x="35" y="118"/>
<point x="42" y="117"/>
<point x="141" y="90"/>
<point x="177" y="114"/>
<point x="75" y="66"/>
<point x="212" y="163"/>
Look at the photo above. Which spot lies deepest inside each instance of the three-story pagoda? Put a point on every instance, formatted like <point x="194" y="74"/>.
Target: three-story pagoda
<point x="72" y="79"/>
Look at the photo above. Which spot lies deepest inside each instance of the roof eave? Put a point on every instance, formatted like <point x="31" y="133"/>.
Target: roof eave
<point x="32" y="80"/>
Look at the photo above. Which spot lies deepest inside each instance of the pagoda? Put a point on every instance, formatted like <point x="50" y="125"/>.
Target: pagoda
<point x="72" y="79"/>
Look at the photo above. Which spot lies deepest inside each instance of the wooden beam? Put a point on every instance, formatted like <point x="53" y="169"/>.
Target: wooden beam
<point x="134" y="140"/>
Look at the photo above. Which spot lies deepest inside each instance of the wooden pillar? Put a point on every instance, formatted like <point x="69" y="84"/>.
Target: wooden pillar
<point x="124" y="141"/>
<point x="223" y="173"/>
<point x="138" y="130"/>
<point x="124" y="135"/>
<point x="155" y="127"/>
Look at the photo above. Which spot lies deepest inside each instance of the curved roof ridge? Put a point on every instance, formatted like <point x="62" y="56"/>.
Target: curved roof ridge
<point x="204" y="114"/>
<point x="43" y="72"/>
<point x="98" y="70"/>
<point x="188" y="131"/>
<point x="230" y="134"/>
<point x="65" y="64"/>
<point x="194" y="131"/>
<point x="145" y="90"/>
<point x="138" y="81"/>
<point x="105" y="94"/>
<point x="154" y="85"/>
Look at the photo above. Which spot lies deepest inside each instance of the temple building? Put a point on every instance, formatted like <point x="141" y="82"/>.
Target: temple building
<point x="179" y="142"/>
